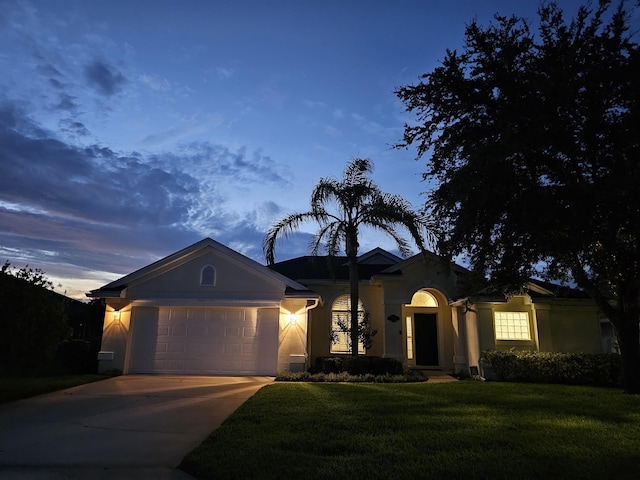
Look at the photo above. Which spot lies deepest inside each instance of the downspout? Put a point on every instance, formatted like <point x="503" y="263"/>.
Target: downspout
<point x="316" y="302"/>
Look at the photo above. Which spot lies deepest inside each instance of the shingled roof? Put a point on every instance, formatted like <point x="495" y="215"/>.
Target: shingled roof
<point x="326" y="268"/>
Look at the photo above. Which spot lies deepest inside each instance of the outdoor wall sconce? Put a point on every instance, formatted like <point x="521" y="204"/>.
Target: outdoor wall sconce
<point x="393" y="318"/>
<point x="292" y="319"/>
<point x="116" y="315"/>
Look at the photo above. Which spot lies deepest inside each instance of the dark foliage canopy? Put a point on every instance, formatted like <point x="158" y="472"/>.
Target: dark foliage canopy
<point x="533" y="145"/>
<point x="32" y="321"/>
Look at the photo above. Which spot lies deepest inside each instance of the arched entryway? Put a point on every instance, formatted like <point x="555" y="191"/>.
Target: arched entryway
<point x="422" y="329"/>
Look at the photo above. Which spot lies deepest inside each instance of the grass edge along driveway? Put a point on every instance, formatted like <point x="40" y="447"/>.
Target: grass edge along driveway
<point x="16" y="388"/>
<point x="463" y="430"/>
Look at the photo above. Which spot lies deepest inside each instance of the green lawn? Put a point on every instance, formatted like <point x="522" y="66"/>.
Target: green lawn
<point x="464" y="430"/>
<point x="15" y="388"/>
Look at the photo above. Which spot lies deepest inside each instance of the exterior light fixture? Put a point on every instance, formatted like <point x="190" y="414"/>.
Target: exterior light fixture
<point x="116" y="315"/>
<point x="292" y="319"/>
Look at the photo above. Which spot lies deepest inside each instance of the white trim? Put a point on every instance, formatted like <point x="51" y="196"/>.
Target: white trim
<point x="194" y="302"/>
<point x="215" y="276"/>
<point x="194" y="251"/>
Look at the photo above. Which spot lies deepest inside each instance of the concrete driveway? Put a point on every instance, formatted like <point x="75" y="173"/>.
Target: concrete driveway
<point x="133" y="426"/>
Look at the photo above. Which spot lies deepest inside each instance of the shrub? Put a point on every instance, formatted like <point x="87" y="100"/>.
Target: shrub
<point x="603" y="370"/>
<point x="386" y="366"/>
<point x="76" y="356"/>
<point x="293" y="377"/>
<point x="329" y="364"/>
<point x="416" y="376"/>
<point x="410" y="376"/>
<point x="360" y="365"/>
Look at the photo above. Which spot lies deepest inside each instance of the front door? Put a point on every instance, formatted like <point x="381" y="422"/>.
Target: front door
<point x="426" y="338"/>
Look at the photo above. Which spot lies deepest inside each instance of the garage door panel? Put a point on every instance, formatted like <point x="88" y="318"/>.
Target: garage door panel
<point x="232" y="331"/>
<point x="212" y="365"/>
<point x="195" y="350"/>
<point x="192" y="365"/>
<point x="249" y="349"/>
<point x="179" y="330"/>
<point x="232" y="366"/>
<point x="209" y="341"/>
<point x="248" y="367"/>
<point x="174" y="365"/>
<point x="198" y="330"/>
<point x="176" y="347"/>
<point x="232" y="348"/>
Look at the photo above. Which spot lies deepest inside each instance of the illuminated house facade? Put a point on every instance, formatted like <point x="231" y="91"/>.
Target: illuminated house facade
<point x="210" y="310"/>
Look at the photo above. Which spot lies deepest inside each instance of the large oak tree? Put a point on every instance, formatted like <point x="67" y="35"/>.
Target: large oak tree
<point x="532" y="135"/>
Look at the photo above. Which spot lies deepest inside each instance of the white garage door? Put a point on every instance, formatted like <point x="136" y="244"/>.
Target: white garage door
<point x="205" y="341"/>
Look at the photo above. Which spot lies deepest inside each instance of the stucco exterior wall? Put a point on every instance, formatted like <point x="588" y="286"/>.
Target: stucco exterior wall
<point x="385" y="298"/>
<point x="144" y="321"/>
<point x="394" y="343"/>
<point x="292" y="337"/>
<point x="268" y="324"/>
<point x="115" y="333"/>
<point x="233" y="281"/>
<point x="575" y="327"/>
<point x="320" y="317"/>
<point x="556" y="325"/>
<point x="420" y="273"/>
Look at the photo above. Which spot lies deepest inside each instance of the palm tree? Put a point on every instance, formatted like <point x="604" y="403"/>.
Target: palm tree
<point x="358" y="202"/>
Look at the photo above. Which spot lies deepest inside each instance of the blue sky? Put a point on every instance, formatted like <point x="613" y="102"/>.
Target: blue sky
<point x="132" y="129"/>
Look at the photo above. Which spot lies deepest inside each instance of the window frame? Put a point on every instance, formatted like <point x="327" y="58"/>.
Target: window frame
<point x="212" y="283"/>
<point x="511" y="326"/>
<point x="342" y="345"/>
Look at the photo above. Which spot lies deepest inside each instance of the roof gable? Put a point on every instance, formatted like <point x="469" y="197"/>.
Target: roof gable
<point x="378" y="256"/>
<point x="205" y="251"/>
<point x="422" y="257"/>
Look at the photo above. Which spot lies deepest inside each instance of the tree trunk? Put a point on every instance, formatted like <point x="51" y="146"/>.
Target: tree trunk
<point x="625" y="317"/>
<point x="353" y="287"/>
<point x="352" y="255"/>
<point x="628" y="332"/>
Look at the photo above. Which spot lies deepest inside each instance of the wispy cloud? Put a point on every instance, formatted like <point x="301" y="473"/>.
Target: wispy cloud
<point x="101" y="209"/>
<point x="73" y="128"/>
<point x="313" y="104"/>
<point x="367" y="125"/>
<point x="155" y="83"/>
<point x="224" y="72"/>
<point x="104" y="78"/>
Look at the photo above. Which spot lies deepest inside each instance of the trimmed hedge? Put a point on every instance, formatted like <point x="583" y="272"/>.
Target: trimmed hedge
<point x="600" y="370"/>
<point x="76" y="356"/>
<point x="360" y="365"/>
<point x="411" y="376"/>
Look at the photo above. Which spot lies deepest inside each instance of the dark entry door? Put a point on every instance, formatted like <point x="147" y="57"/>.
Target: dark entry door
<point x="426" y="338"/>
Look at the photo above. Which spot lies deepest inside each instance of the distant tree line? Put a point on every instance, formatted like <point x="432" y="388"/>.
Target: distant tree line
<point x="42" y="331"/>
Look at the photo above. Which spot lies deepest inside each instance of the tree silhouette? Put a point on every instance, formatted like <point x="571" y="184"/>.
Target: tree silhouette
<point x="534" y="145"/>
<point x="341" y="208"/>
